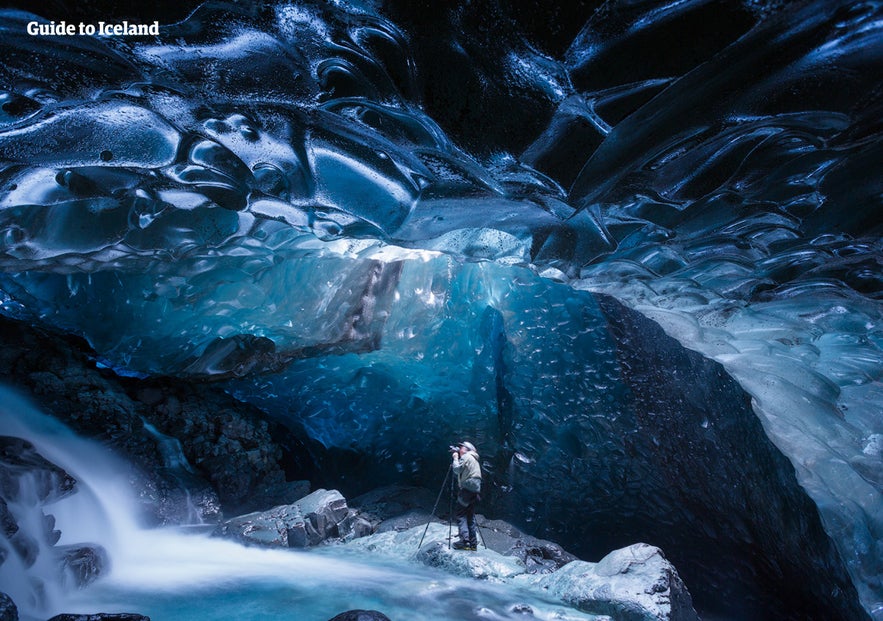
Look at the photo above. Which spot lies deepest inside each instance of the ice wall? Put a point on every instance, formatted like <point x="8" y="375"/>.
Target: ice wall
<point x="296" y="189"/>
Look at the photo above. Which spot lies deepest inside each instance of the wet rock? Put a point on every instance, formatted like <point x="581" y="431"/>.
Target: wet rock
<point x="322" y="515"/>
<point x="635" y="583"/>
<point x="228" y="457"/>
<point x="8" y="525"/>
<point x="25" y="547"/>
<point x="227" y="443"/>
<point x="632" y="584"/>
<point x="539" y="556"/>
<point x="360" y="615"/>
<point x="83" y="564"/>
<point x="8" y="610"/>
<point x="401" y="508"/>
<point x="483" y="564"/>
<point x="28" y="479"/>
<point x="18" y="459"/>
<point x="396" y="507"/>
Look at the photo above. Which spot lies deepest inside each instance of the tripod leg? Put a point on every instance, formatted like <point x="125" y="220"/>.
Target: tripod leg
<point x="451" y="516"/>
<point x="440" y="492"/>
<point x="480" y="534"/>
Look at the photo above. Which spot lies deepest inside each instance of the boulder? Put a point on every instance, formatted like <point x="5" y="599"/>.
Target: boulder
<point x="82" y="564"/>
<point x="311" y="520"/>
<point x="432" y="549"/>
<point x="360" y="615"/>
<point x="400" y="508"/>
<point x="395" y="507"/>
<point x="482" y="564"/>
<point x="635" y="583"/>
<point x="8" y="610"/>
<point x="539" y="556"/>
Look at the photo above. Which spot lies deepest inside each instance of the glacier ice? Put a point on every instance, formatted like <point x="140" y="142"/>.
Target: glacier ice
<point x="363" y="227"/>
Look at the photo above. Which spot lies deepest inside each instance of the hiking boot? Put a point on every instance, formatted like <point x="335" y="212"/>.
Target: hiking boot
<point x="463" y="545"/>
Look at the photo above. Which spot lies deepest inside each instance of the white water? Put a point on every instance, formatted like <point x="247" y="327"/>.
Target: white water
<point x="176" y="575"/>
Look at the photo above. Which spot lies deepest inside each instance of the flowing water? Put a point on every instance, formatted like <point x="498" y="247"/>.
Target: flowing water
<point x="183" y="574"/>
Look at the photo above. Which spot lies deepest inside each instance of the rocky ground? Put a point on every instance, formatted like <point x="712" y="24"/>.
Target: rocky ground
<point x="182" y="437"/>
<point x="190" y="439"/>
<point x="636" y="583"/>
<point x="633" y="584"/>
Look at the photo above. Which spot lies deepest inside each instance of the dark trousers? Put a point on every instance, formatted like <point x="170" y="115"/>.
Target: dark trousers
<point x="466" y="516"/>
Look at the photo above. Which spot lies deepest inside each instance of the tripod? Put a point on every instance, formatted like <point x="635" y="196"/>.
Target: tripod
<point x="450" y="513"/>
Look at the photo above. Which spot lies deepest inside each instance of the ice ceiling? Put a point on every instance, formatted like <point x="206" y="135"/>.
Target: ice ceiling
<point x="368" y="219"/>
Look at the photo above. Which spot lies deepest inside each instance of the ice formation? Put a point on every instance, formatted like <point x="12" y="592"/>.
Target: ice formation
<point x="381" y="235"/>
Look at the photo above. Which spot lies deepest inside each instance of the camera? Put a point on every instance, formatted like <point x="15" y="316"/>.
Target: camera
<point x="453" y="448"/>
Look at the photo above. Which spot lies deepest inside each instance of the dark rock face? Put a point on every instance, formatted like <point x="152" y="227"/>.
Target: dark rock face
<point x="394" y="507"/>
<point x="705" y="459"/>
<point x="19" y="458"/>
<point x="8" y="610"/>
<point x="8" y="526"/>
<point x="83" y="563"/>
<point x="28" y="481"/>
<point x="185" y="439"/>
<point x="360" y="615"/>
<point x="228" y="443"/>
<point x="23" y="468"/>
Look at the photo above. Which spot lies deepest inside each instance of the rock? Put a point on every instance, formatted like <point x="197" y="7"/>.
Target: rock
<point x="234" y="451"/>
<point x="19" y="459"/>
<point x="8" y="610"/>
<point x="23" y="468"/>
<point x="360" y="615"/>
<point x="101" y="616"/>
<point x="31" y="533"/>
<point x="311" y="520"/>
<point x="395" y="507"/>
<point x="82" y="563"/>
<point x="483" y="564"/>
<point x="178" y="497"/>
<point x="539" y="555"/>
<point x="8" y="525"/>
<point x="432" y="550"/>
<point x="635" y="583"/>
<point x="400" y="508"/>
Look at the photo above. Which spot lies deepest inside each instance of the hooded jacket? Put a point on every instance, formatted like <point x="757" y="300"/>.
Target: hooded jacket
<point x="468" y="471"/>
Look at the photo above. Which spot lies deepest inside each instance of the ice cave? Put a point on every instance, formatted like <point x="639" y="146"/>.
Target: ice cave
<point x="264" y="267"/>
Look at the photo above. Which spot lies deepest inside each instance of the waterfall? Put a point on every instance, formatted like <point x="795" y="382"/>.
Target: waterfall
<point x="99" y="515"/>
<point x="176" y="574"/>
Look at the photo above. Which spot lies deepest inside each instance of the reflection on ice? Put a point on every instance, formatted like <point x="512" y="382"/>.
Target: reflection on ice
<point x="246" y="192"/>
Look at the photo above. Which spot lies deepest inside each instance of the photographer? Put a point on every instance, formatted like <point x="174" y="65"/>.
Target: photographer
<point x="468" y="472"/>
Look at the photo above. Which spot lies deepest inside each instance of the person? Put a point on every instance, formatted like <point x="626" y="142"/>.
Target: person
<point x="468" y="472"/>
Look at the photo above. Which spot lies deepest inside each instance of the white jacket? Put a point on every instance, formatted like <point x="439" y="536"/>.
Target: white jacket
<point x="468" y="471"/>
